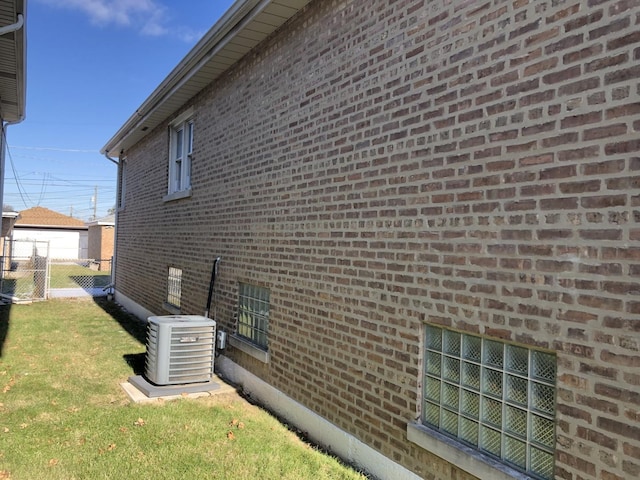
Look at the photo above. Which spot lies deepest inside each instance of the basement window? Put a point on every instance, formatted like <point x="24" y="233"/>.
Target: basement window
<point x="495" y="398"/>
<point x="252" y="322"/>
<point x="253" y="314"/>
<point x="174" y="288"/>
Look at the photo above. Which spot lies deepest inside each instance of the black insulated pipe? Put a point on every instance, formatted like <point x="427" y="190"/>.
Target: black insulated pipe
<point x="214" y="272"/>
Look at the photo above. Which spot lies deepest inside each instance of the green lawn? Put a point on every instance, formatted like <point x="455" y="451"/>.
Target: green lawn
<point x="25" y="284"/>
<point x="73" y="276"/>
<point x="63" y="414"/>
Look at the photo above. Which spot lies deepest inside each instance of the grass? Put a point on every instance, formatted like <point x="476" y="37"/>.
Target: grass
<point x="73" y="276"/>
<point x="22" y="284"/>
<point x="63" y="414"/>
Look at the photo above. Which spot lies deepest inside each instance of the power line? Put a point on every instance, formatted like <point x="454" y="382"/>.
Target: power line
<point x="13" y="168"/>
<point x="57" y="149"/>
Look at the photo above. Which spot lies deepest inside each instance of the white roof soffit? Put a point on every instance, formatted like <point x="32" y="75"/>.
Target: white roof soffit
<point x="13" y="54"/>
<point x="240" y="29"/>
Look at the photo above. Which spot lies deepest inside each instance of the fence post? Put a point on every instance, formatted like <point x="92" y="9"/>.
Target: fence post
<point x="40" y="276"/>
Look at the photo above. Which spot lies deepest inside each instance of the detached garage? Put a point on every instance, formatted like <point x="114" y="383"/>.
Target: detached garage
<point x="67" y="236"/>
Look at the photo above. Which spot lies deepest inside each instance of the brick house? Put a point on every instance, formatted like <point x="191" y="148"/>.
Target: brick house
<point x="428" y="215"/>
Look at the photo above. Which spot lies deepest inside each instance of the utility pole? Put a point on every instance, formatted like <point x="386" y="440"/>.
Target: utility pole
<point x="95" y="203"/>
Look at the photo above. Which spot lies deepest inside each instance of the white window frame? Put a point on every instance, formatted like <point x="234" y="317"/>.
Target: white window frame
<point x="181" y="153"/>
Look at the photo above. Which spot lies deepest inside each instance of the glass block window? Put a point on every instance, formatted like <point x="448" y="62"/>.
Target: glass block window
<point x="253" y="314"/>
<point x="174" y="286"/>
<point x="495" y="397"/>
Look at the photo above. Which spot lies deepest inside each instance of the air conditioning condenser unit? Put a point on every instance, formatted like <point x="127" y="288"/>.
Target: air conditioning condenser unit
<point x="180" y="349"/>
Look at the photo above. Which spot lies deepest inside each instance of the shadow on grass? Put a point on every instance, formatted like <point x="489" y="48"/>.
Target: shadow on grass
<point x="5" y="311"/>
<point x="132" y="325"/>
<point x="136" y="362"/>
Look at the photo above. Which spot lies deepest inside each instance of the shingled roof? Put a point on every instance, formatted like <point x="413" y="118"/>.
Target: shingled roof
<point x="43" y="217"/>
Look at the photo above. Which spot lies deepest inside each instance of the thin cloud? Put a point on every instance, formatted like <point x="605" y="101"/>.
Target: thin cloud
<point x="149" y="17"/>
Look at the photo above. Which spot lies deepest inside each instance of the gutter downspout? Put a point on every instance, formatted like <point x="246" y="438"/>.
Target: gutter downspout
<point x="14" y="26"/>
<point x="3" y="127"/>
<point x="115" y="225"/>
<point x="106" y="155"/>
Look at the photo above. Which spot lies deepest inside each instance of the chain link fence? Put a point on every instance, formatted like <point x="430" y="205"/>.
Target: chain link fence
<point x="28" y="274"/>
<point x="24" y="271"/>
<point x="78" y="277"/>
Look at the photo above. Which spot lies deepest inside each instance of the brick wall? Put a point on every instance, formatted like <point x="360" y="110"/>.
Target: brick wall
<point x="381" y="164"/>
<point x="100" y="245"/>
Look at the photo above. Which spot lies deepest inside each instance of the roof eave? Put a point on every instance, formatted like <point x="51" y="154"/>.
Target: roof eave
<point x="50" y="227"/>
<point x="18" y="97"/>
<point x="210" y="48"/>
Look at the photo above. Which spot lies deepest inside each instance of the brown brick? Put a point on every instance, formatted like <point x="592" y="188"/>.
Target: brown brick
<point x="604" y="201"/>
<point x="604" y="132"/>
<point x="620" y="359"/>
<point x="623" y="110"/>
<point x="601" y="234"/>
<point x="616" y="393"/>
<point x="560" y="203"/>
<point x="622" y="147"/>
<point x="524" y="29"/>
<point x="582" y="54"/>
<point x="574" y="412"/>
<point x="580" y="187"/>
<point x="606" y="372"/>
<point x="578" y="153"/>
<point x="583" y="20"/>
<point x="603" y="303"/>
<point x="565" y="42"/>
<point x="562" y="139"/>
<point x="562" y="75"/>
<point x="597" y="438"/>
<point x="582" y="119"/>
<point x="614" y="426"/>
<point x="579" y="86"/>
<point x="622" y="75"/>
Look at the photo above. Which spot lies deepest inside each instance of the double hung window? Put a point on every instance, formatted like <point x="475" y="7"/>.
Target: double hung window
<point x="180" y="154"/>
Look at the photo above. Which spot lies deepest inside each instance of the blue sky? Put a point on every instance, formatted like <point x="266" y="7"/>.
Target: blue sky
<point x="90" y="64"/>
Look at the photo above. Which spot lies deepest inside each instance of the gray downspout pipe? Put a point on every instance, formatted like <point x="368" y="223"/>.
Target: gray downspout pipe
<point x="115" y="227"/>
<point x="13" y="27"/>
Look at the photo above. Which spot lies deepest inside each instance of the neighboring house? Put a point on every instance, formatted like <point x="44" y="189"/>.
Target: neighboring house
<point x="100" y="242"/>
<point x="13" y="83"/>
<point x="67" y="237"/>
<point x="8" y="220"/>
<point x="428" y="215"/>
